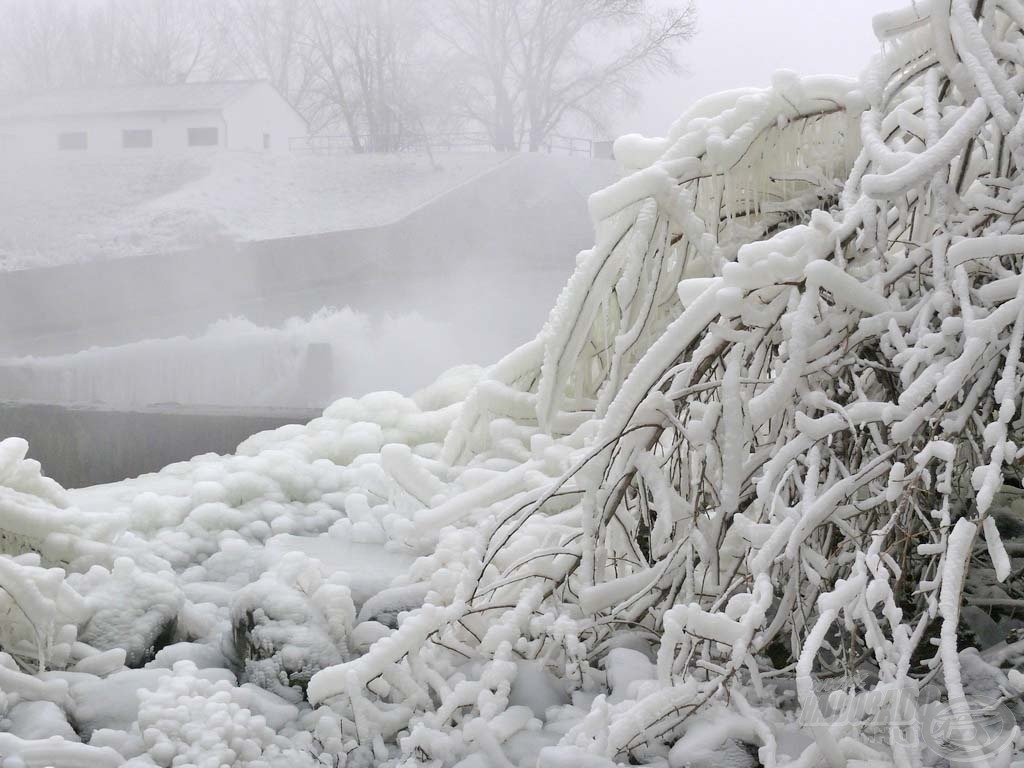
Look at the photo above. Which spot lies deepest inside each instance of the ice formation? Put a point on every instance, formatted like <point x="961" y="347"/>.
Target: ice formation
<point x="769" y="438"/>
<point x="300" y="364"/>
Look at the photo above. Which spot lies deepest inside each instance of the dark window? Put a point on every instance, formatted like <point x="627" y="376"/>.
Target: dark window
<point x="73" y="140"/>
<point x="141" y="138"/>
<point x="202" y="137"/>
<point x="266" y="141"/>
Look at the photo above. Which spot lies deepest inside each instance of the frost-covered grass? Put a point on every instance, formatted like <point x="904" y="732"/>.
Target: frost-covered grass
<point x="752" y="493"/>
<point x="56" y="210"/>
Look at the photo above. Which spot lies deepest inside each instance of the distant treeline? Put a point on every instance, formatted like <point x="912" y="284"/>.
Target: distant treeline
<point x="385" y="72"/>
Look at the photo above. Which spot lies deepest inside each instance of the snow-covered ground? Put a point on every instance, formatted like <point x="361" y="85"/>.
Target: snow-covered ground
<point x="56" y="210"/>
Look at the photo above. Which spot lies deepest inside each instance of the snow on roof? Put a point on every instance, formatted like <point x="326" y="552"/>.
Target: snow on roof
<point x="126" y="99"/>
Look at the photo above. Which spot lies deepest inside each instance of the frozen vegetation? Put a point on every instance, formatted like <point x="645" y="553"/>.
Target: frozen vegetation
<point x="752" y="495"/>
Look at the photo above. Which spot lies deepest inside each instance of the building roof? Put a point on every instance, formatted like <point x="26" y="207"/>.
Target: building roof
<point x="126" y="99"/>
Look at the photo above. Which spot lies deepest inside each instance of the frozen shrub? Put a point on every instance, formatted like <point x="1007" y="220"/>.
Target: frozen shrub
<point x="772" y="423"/>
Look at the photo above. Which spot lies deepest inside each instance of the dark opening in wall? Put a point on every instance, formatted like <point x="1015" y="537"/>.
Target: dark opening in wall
<point x="203" y="137"/>
<point x="137" y="138"/>
<point x="73" y="140"/>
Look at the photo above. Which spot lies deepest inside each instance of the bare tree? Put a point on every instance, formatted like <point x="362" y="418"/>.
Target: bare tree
<point x="368" y="55"/>
<point x="95" y="51"/>
<point x="335" y="89"/>
<point x="478" y="33"/>
<point x="269" y="40"/>
<point x="530" y="65"/>
<point x="170" y="41"/>
<point x="34" y="38"/>
<point x="60" y="43"/>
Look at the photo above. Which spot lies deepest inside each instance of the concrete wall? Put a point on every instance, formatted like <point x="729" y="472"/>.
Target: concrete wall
<point x="88" y="446"/>
<point x="253" y="370"/>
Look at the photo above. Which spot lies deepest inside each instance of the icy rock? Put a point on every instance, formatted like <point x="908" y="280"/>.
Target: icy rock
<point x="101" y="663"/>
<point x="366" y="633"/>
<point x="535" y="688"/>
<point x="25" y="475"/>
<point x="984" y="628"/>
<point x="730" y="754"/>
<point x="385" y="606"/>
<point x="627" y="668"/>
<point x="276" y="711"/>
<point x="717" y="739"/>
<point x="571" y="757"/>
<point x="475" y="760"/>
<point x="38" y="720"/>
<point x="34" y="598"/>
<point x="370" y="569"/>
<point x="203" y="656"/>
<point x="55" y="753"/>
<point x="290" y="624"/>
<point x="127" y="743"/>
<point x="523" y="747"/>
<point x="190" y="720"/>
<point x="113" y="702"/>
<point x="450" y="388"/>
<point x="134" y="610"/>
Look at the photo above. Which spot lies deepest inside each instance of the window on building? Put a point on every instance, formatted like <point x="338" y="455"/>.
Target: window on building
<point x="137" y="138"/>
<point x="73" y="140"/>
<point x="203" y="137"/>
<point x="266" y="141"/>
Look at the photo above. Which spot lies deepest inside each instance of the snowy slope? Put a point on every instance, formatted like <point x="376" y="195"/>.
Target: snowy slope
<point x="62" y="210"/>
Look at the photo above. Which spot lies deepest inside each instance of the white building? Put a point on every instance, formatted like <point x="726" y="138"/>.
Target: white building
<point x="183" y="117"/>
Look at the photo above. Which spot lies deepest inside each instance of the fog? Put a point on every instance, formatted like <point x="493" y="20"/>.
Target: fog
<point x="741" y="43"/>
<point x="187" y="221"/>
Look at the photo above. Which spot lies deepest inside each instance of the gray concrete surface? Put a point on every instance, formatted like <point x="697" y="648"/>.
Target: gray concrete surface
<point x="87" y="446"/>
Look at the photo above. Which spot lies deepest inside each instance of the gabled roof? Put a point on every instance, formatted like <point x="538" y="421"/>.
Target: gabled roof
<point x="126" y="99"/>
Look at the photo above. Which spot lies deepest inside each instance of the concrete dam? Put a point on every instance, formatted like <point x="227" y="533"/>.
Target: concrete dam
<point x="136" y="362"/>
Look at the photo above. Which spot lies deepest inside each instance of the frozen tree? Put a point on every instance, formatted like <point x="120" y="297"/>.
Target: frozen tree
<point x="368" y="53"/>
<point x="270" y="40"/>
<point x="35" y="38"/>
<point x="59" y="44"/>
<point x="95" y="47"/>
<point x="525" y="68"/>
<point x="770" y="440"/>
<point x="771" y="428"/>
<point x="169" y="41"/>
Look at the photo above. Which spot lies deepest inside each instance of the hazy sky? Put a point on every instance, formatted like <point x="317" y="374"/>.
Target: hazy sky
<point x="741" y="42"/>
